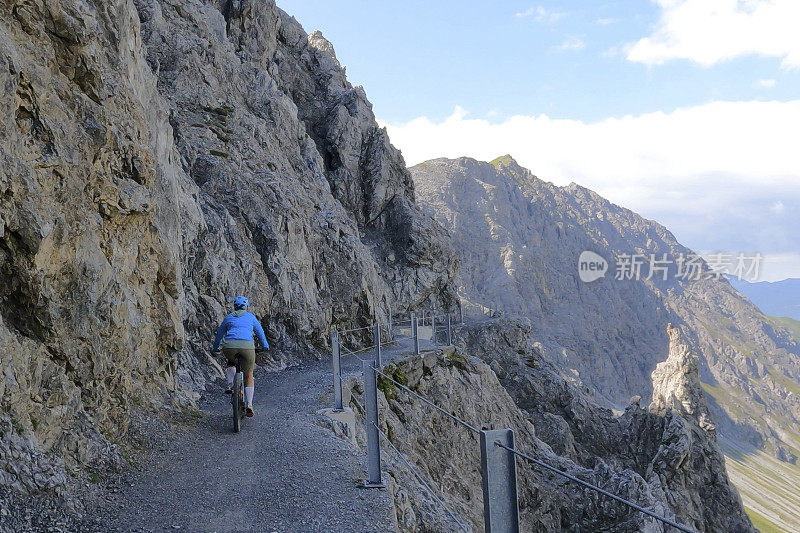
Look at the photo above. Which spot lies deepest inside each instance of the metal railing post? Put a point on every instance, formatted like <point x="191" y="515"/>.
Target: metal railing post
<point x="378" y="360"/>
<point x="415" y="332"/>
<point x="337" y="371"/>
<point x="499" y="472"/>
<point x="371" y="426"/>
<point x="433" y="329"/>
<point x="449" y="331"/>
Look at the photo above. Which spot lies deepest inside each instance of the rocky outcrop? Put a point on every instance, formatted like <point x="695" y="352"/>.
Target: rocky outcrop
<point x="520" y="238"/>
<point x="676" y="383"/>
<point x="664" y="457"/>
<point x="159" y="157"/>
<point x="688" y="463"/>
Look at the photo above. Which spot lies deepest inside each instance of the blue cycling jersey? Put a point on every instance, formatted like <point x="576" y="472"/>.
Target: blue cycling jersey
<point x="240" y="325"/>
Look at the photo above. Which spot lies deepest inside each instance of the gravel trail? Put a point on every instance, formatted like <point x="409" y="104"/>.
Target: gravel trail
<point x="282" y="473"/>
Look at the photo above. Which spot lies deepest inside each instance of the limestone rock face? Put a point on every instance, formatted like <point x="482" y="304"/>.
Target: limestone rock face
<point x="688" y="463"/>
<point x="676" y="382"/>
<point x="158" y="158"/>
<point x="660" y="459"/>
<point x="520" y="238"/>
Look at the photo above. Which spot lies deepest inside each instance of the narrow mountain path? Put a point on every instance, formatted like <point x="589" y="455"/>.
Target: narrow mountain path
<point x="282" y="473"/>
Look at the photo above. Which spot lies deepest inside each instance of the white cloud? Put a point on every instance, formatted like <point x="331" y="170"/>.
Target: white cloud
<point x="571" y="44"/>
<point x="606" y="21"/>
<point x="752" y="139"/>
<point x="537" y="13"/>
<point x="540" y="14"/>
<point x="710" y="173"/>
<point x="766" y="83"/>
<point x="777" y="267"/>
<point x="778" y="208"/>
<point x="710" y="31"/>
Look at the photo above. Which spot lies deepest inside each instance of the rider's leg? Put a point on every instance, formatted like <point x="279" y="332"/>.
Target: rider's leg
<point x="230" y="373"/>
<point x="230" y="370"/>
<point x="249" y="387"/>
<point x="248" y="365"/>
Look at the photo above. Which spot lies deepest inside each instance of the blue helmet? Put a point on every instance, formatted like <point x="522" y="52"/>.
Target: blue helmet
<point x="240" y="302"/>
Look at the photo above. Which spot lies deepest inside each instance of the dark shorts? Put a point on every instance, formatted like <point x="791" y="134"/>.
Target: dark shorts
<point x="248" y="357"/>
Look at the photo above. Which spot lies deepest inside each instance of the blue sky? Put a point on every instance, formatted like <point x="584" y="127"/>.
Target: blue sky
<point x="428" y="57"/>
<point x="678" y="109"/>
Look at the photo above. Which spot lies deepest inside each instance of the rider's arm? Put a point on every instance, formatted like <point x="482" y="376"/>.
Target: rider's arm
<point x="259" y="331"/>
<point x="221" y="331"/>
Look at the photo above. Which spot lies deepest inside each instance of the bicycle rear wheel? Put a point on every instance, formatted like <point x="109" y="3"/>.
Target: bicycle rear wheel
<point x="236" y="401"/>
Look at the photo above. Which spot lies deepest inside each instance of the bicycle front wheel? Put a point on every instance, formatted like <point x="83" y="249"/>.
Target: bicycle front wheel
<point x="236" y="402"/>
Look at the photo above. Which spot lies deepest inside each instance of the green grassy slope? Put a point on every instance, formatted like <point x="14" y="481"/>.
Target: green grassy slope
<point x="770" y="489"/>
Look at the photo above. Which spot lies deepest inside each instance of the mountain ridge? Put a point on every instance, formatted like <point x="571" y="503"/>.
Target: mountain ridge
<point x="775" y="298"/>
<point x="160" y="157"/>
<point x="519" y="240"/>
<point x="607" y="226"/>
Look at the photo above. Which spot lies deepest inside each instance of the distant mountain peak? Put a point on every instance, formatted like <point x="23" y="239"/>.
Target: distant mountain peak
<point x="777" y="298"/>
<point x="519" y="238"/>
<point x="506" y="164"/>
<point x="504" y="160"/>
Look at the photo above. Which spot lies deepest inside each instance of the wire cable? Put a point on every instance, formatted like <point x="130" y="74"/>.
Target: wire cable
<point x="351" y="330"/>
<point x="595" y="488"/>
<point x="451" y="415"/>
<point x="354" y="354"/>
<point x="421" y="480"/>
<point x="351" y="352"/>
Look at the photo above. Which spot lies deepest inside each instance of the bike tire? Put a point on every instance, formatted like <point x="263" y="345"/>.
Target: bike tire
<point x="236" y="402"/>
<point x="242" y="404"/>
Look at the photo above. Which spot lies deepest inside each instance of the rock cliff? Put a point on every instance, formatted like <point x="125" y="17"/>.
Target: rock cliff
<point x="159" y="157"/>
<point x="520" y="238"/>
<point x="664" y="457"/>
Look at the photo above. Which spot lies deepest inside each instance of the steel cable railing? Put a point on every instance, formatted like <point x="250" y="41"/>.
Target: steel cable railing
<point x="433" y="494"/>
<point x="351" y="330"/>
<point x="372" y="367"/>
<point x="355" y="353"/>
<point x="430" y="403"/>
<point x="392" y="340"/>
<point x="536" y="461"/>
<point x="413" y="471"/>
<point x="594" y="488"/>
<point x="361" y="359"/>
<point x="383" y="331"/>
<point x="348" y="351"/>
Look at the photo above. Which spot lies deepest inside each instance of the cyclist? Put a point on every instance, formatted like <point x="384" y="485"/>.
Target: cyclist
<point x="236" y="333"/>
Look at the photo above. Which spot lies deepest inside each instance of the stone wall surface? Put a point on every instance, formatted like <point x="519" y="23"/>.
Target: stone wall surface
<point x="158" y="158"/>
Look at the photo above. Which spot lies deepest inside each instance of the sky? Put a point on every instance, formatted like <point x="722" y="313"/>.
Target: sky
<point x="686" y="111"/>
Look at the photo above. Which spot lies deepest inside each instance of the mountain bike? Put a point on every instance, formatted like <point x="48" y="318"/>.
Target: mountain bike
<point x="237" y="398"/>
